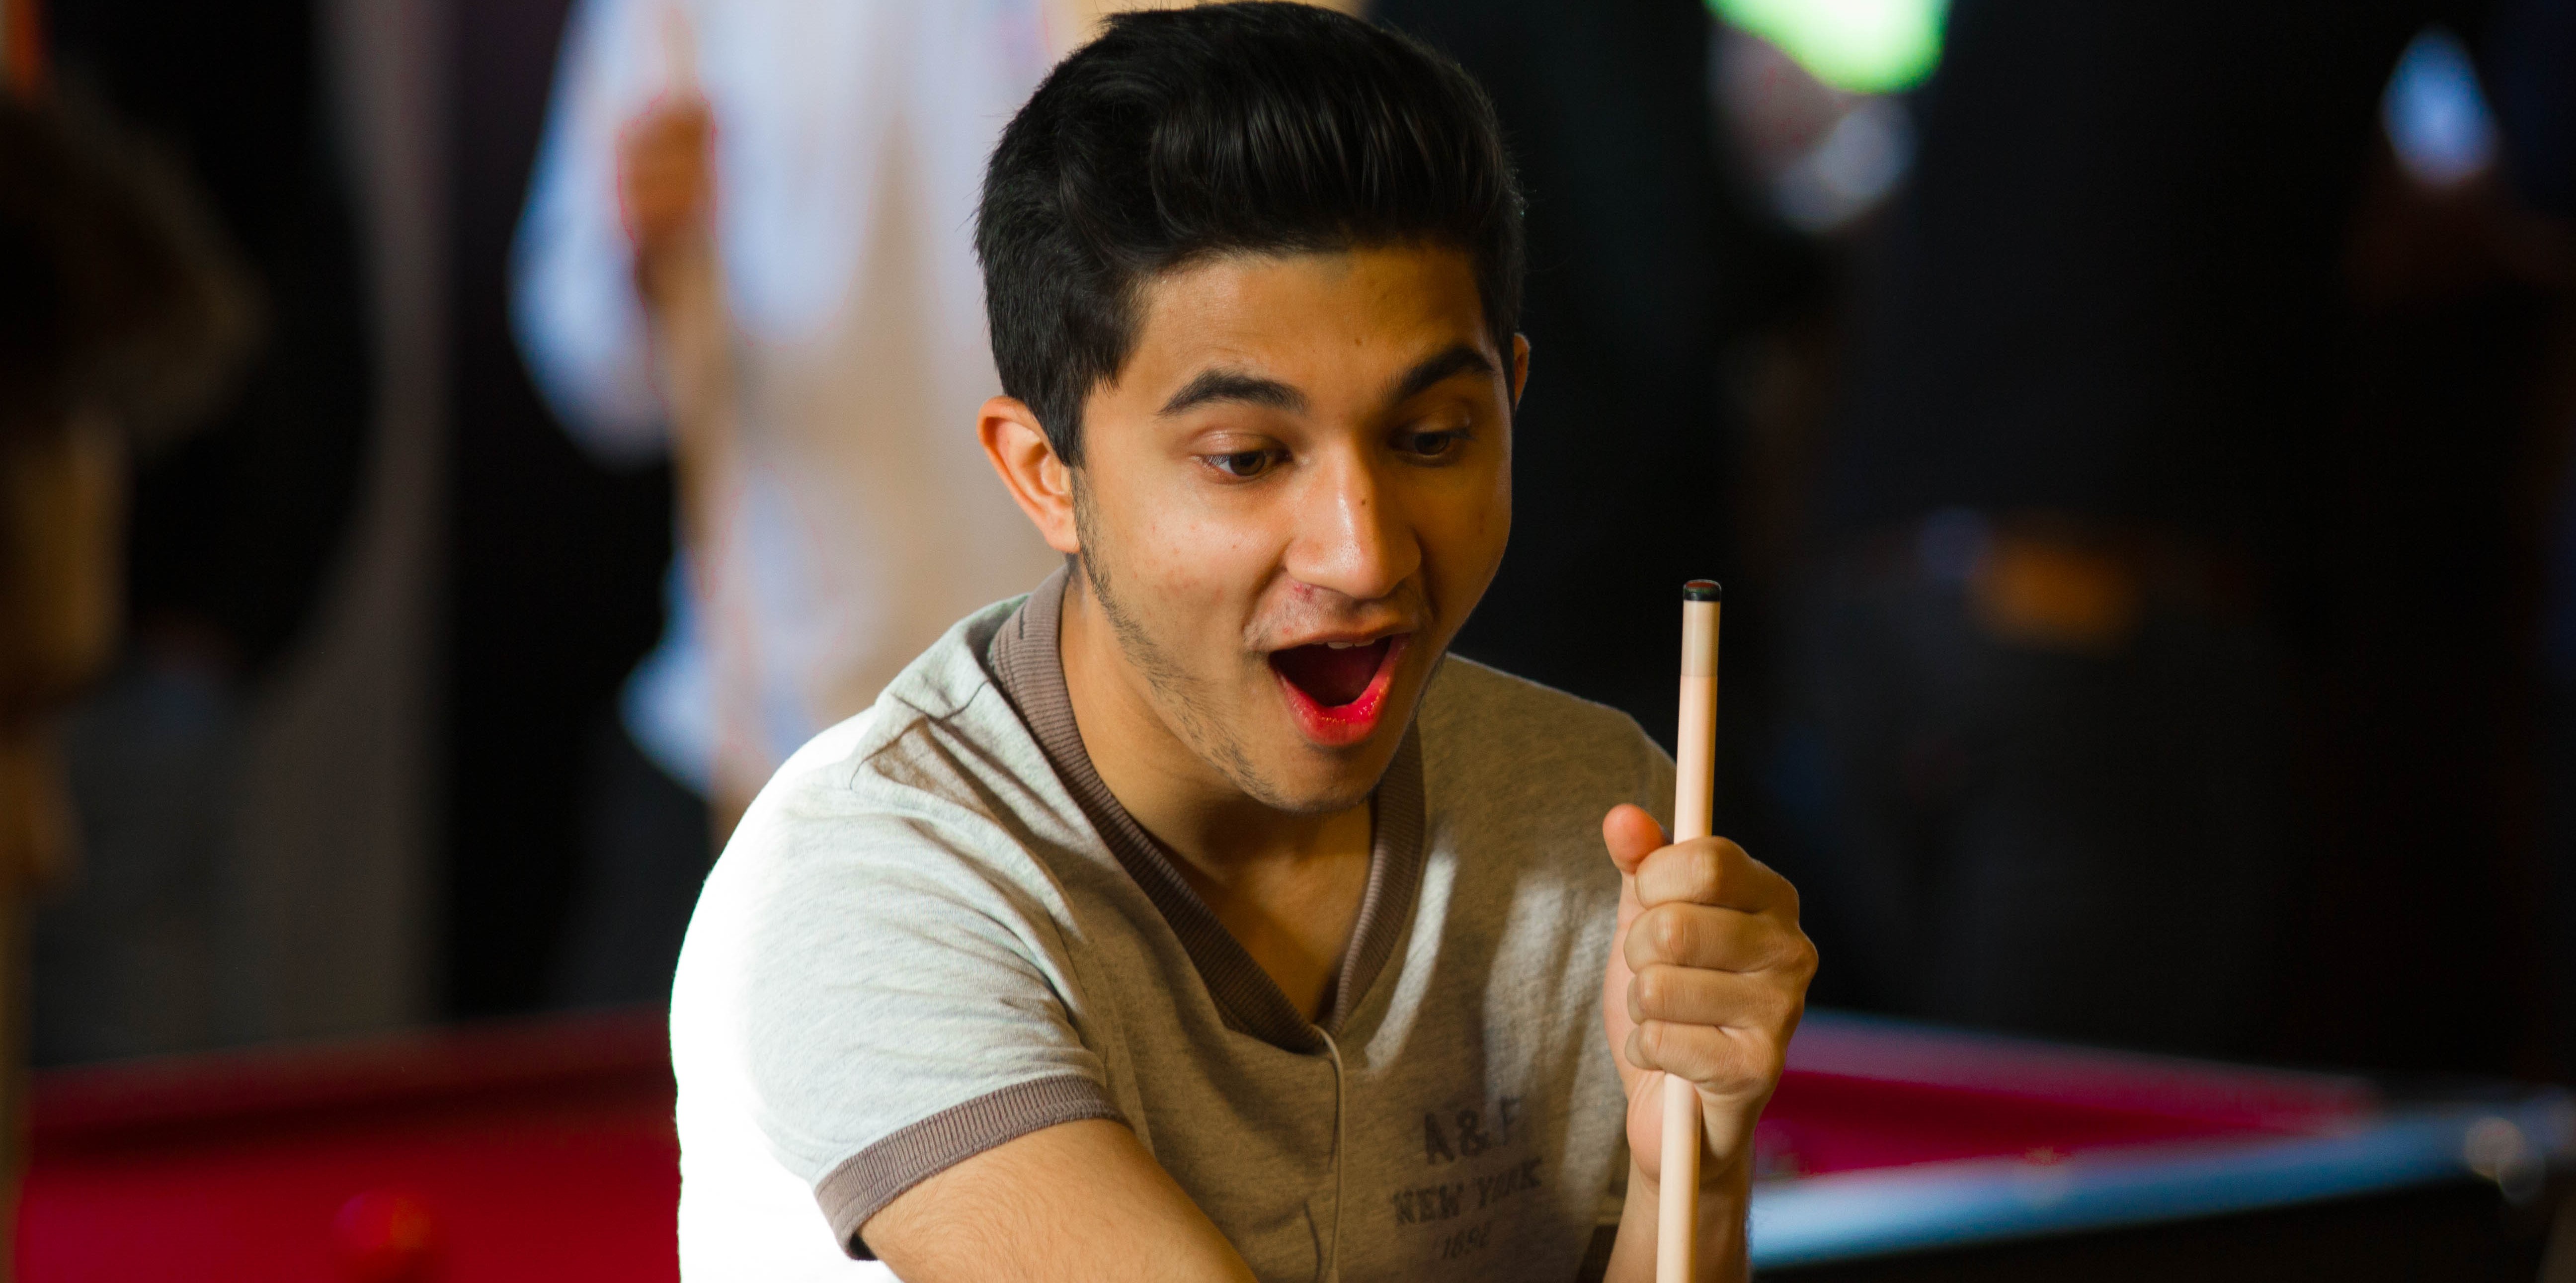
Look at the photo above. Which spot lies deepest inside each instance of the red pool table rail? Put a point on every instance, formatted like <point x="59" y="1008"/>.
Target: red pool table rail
<point x="1863" y="1093"/>
<point x="506" y="1154"/>
<point x="545" y="1150"/>
<point x="95" y="1103"/>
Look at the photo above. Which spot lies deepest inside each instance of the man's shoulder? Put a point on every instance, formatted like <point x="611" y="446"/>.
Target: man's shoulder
<point x="931" y="815"/>
<point x="1471" y="703"/>
<point x="943" y="695"/>
<point x="941" y="760"/>
<point x="1486" y="729"/>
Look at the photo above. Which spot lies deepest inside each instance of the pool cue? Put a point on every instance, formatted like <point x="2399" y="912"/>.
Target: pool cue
<point x="1695" y="782"/>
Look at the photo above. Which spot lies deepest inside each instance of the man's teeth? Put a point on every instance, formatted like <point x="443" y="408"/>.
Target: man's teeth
<point x="1342" y="645"/>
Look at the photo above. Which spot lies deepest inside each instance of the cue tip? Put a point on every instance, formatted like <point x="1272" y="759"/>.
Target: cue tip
<point x="1702" y="590"/>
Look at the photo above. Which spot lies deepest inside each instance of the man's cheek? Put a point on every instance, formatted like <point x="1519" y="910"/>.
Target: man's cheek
<point x="1464" y="545"/>
<point x="1194" y="559"/>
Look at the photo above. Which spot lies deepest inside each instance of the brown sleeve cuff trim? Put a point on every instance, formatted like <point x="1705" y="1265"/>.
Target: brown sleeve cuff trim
<point x="863" y="1184"/>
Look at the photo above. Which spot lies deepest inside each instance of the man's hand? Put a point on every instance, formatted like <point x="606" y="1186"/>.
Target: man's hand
<point x="666" y="187"/>
<point x="1707" y="980"/>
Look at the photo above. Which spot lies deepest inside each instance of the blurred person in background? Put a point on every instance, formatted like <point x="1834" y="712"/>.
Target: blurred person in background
<point x="232" y="533"/>
<point x="2148" y="685"/>
<point x="120" y="316"/>
<point x="746" y="244"/>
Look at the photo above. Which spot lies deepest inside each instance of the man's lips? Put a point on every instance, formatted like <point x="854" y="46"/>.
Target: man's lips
<point x="1337" y="691"/>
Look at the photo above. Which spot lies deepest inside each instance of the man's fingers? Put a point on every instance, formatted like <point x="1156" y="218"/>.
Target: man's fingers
<point x="1713" y="999"/>
<point x="1723" y="1062"/>
<point x="1713" y="966"/>
<point x="1694" y="935"/>
<point x="1710" y="871"/>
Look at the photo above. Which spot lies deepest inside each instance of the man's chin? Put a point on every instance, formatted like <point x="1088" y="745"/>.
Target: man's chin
<point x="1294" y="799"/>
<point x="1309" y="779"/>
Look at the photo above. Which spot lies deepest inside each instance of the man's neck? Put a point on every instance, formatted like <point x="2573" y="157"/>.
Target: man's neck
<point x="1287" y="887"/>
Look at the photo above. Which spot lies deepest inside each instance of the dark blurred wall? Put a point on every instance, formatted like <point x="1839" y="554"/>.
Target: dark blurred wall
<point x="554" y="573"/>
<point x="2169" y="642"/>
<point x="229" y="534"/>
<point x="233" y="530"/>
<point x="2419" y="691"/>
<point x="251" y="779"/>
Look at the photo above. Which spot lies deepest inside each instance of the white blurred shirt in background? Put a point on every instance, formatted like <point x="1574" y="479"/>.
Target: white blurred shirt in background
<point x="861" y="518"/>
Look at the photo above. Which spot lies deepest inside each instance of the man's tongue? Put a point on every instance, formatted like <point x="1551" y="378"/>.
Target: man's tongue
<point x="1331" y="677"/>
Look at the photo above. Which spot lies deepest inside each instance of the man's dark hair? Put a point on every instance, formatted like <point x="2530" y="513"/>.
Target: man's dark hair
<point x="1183" y="134"/>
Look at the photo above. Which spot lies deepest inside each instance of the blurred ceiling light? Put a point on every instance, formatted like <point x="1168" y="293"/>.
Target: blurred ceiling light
<point x="1864" y="46"/>
<point x="2435" y="114"/>
<point x="1827" y="156"/>
<point x="1857" y="165"/>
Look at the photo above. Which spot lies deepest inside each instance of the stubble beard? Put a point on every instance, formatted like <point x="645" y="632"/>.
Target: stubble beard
<point x="1179" y="696"/>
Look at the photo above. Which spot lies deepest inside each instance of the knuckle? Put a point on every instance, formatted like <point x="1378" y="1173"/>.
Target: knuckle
<point x="1651" y="991"/>
<point x="1684" y="1051"/>
<point x="1793" y="955"/>
<point x="1706" y="874"/>
<point x="1653" y="1038"/>
<point x="1807" y="959"/>
<point x="1670" y="932"/>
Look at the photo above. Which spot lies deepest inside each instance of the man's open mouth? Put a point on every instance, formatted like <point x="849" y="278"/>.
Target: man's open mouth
<point x="1337" y="689"/>
<point x="1332" y="674"/>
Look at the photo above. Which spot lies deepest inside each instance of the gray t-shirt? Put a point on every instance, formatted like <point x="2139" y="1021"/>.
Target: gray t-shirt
<point x="936" y="930"/>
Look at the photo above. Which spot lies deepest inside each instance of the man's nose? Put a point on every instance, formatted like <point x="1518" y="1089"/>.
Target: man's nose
<point x="1350" y="539"/>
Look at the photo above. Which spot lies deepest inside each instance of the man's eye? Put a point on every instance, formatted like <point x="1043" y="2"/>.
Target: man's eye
<point x="1243" y="464"/>
<point x="1431" y="445"/>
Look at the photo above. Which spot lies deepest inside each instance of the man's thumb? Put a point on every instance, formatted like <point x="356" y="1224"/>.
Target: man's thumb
<point x="1632" y="835"/>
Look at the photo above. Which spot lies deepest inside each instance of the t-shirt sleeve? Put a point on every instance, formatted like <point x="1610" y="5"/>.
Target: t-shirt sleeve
<point x="897" y="1007"/>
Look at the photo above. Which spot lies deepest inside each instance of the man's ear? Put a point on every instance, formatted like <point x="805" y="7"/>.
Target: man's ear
<point x="1038" y="481"/>
<point x="1520" y="367"/>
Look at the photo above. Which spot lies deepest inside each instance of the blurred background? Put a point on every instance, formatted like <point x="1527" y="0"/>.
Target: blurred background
<point x="2134" y="437"/>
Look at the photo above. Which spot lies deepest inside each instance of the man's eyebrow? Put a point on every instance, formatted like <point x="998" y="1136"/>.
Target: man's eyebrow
<point x="1429" y="372"/>
<point x="1235" y="385"/>
<point x="1252" y="389"/>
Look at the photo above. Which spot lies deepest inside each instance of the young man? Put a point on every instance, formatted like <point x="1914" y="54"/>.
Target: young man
<point x="1190" y="918"/>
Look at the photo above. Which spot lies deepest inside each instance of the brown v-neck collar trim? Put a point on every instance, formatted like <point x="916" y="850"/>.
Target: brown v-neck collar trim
<point x="1026" y="665"/>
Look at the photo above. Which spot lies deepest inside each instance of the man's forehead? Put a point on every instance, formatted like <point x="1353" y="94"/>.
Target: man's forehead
<point x="1221" y="328"/>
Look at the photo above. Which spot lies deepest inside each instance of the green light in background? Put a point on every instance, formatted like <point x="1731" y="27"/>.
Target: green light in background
<point x="1865" y="46"/>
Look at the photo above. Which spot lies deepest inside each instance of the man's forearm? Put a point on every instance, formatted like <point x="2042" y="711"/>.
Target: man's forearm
<point x="1724" y="1200"/>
